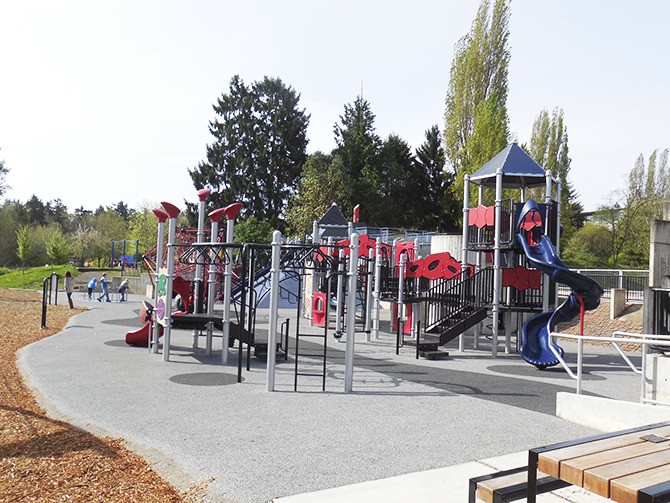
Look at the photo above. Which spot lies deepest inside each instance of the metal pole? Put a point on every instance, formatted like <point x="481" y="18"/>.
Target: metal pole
<point x="464" y="245"/>
<point x="162" y="216"/>
<point x="351" y="314"/>
<point x="547" y="279"/>
<point x="215" y="217"/>
<point x="497" y="270"/>
<point x="368" y="295"/>
<point x="378" y="279"/>
<point x="173" y="212"/>
<point x="231" y="212"/>
<point x="199" y="270"/>
<point x="274" y="309"/>
<point x="339" y="301"/>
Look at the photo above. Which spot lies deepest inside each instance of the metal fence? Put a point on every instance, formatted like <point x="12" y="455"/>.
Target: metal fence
<point x="632" y="280"/>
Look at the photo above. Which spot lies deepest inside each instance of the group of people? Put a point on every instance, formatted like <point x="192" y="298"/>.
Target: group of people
<point x="104" y="286"/>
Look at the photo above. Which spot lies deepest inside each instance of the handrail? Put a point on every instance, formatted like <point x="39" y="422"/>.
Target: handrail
<point x="644" y="340"/>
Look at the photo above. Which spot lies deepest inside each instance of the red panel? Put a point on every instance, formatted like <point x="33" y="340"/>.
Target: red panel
<point x="521" y="282"/>
<point x="451" y="268"/>
<point x="414" y="269"/>
<point x="490" y="216"/>
<point x="319" y="311"/>
<point x="508" y="277"/>
<point x="433" y="265"/>
<point x="535" y="279"/>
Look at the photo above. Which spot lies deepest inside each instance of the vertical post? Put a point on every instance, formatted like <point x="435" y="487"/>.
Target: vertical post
<point x="308" y="302"/>
<point x="198" y="282"/>
<point x="173" y="213"/>
<point x="162" y="216"/>
<point x="274" y="309"/>
<point x="378" y="286"/>
<point x="368" y="295"/>
<point x="478" y="267"/>
<point x="464" y="245"/>
<point x="339" y="301"/>
<point x="497" y="270"/>
<point x="547" y="280"/>
<point x="351" y="314"/>
<point x="231" y="212"/>
<point x="215" y="217"/>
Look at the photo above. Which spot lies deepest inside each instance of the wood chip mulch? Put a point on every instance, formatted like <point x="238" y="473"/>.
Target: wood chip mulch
<point x="46" y="460"/>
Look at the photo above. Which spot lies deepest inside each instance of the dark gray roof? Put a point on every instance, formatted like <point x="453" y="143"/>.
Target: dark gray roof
<point x="333" y="217"/>
<point x="519" y="169"/>
<point x="333" y="224"/>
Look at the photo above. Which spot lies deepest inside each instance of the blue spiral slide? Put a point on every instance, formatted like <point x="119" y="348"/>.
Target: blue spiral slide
<point x="542" y="255"/>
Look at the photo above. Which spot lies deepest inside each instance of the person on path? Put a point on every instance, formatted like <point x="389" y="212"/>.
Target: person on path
<point x="105" y="288"/>
<point x="122" y="289"/>
<point x="91" y="287"/>
<point x="69" y="287"/>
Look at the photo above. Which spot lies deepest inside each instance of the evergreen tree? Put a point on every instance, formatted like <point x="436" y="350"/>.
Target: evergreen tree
<point x="440" y="212"/>
<point x="358" y="146"/>
<point x="259" y="150"/>
<point x="36" y="211"/>
<point x="400" y="186"/>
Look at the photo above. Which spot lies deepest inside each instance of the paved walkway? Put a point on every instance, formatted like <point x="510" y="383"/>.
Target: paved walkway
<point x="405" y="422"/>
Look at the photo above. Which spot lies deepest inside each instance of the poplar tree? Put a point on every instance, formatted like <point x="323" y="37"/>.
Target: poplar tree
<point x="549" y="148"/>
<point x="476" y="102"/>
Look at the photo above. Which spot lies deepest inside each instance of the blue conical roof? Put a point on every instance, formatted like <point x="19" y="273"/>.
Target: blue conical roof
<point x="518" y="169"/>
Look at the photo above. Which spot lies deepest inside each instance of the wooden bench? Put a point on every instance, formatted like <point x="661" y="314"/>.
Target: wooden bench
<point x="509" y="485"/>
<point x="629" y="466"/>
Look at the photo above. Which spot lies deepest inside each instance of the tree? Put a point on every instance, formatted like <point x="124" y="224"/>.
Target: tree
<point x="3" y="174"/>
<point x="358" y="146"/>
<point x="400" y="186"/>
<point x="57" y="248"/>
<point x="549" y="148"/>
<point x="36" y="211"/>
<point x="251" y="230"/>
<point x="259" y="150"/>
<point x="56" y="212"/>
<point x="590" y="246"/>
<point x="143" y="226"/>
<point x="324" y="180"/>
<point x="122" y="209"/>
<point x="109" y="227"/>
<point x="478" y="75"/>
<point x="440" y="212"/>
<point x="23" y="242"/>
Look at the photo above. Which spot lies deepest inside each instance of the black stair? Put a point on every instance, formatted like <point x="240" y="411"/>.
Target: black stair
<point x="448" y="330"/>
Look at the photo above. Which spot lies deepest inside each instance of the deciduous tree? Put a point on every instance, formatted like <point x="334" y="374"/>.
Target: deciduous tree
<point x="477" y="96"/>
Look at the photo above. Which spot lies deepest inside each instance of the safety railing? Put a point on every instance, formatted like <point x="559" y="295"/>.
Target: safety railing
<point x="616" y="339"/>
<point x="632" y="280"/>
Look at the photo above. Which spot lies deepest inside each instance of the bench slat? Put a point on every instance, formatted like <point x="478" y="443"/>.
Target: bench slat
<point x="625" y="489"/>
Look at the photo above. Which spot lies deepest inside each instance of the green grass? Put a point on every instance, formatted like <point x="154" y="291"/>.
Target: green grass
<point x="33" y="278"/>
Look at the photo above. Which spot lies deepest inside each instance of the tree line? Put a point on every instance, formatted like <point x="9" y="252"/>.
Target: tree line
<point x="259" y="156"/>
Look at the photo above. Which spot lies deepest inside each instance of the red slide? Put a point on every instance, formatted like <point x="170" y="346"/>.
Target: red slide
<point x="139" y="337"/>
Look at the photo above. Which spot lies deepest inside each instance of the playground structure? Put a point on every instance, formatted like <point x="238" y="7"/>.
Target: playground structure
<point x="124" y="258"/>
<point x="342" y="283"/>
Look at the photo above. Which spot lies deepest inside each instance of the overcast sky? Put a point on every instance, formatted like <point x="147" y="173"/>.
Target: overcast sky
<point x="103" y="101"/>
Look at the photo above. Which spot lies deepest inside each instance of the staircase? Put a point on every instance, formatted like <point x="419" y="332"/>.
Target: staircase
<point x="452" y="307"/>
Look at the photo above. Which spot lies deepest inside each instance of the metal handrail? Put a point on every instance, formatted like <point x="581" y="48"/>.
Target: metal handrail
<point x="644" y="340"/>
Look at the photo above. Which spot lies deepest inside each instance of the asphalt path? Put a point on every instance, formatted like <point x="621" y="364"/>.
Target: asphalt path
<point x="198" y="425"/>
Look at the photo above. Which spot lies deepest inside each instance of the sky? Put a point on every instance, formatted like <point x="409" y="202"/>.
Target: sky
<point x="102" y="101"/>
